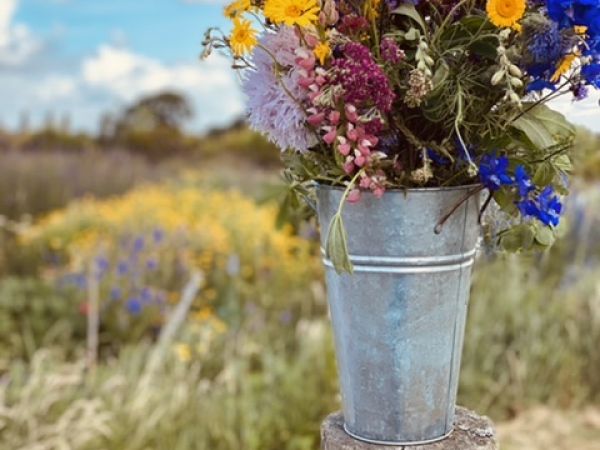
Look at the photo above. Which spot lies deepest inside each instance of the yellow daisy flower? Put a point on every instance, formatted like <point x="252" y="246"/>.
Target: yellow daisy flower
<point x="243" y="37"/>
<point x="303" y="13"/>
<point x="237" y="7"/>
<point x="322" y="52"/>
<point x="564" y="67"/>
<point x="506" y="13"/>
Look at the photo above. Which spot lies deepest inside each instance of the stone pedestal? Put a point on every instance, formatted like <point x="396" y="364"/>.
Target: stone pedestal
<point x="471" y="432"/>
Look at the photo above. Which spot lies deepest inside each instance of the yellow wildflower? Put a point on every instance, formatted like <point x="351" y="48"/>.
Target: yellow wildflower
<point x="303" y="13"/>
<point x="204" y="314"/>
<point x="236" y="8"/>
<point x="506" y="13"/>
<point x="243" y="37"/>
<point x="323" y="52"/>
<point x="183" y="352"/>
<point x="564" y="67"/>
<point x="581" y="30"/>
<point x="372" y="8"/>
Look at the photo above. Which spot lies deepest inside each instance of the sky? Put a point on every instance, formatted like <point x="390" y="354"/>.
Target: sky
<point x="83" y="58"/>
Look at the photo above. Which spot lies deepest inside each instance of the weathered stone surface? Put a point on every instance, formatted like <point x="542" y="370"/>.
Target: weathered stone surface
<point x="471" y="432"/>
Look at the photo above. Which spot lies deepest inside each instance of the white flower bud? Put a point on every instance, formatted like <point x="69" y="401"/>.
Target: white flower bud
<point x="514" y="98"/>
<point x="498" y="77"/>
<point x="515" y="71"/>
<point x="516" y="82"/>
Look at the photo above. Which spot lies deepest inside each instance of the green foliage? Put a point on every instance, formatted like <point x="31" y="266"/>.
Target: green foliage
<point x="50" y="139"/>
<point x="238" y="143"/>
<point x="533" y="342"/>
<point x="587" y="155"/>
<point x="337" y="245"/>
<point x="544" y="127"/>
<point x="264" y="397"/>
<point x="34" y="183"/>
<point x="33" y="315"/>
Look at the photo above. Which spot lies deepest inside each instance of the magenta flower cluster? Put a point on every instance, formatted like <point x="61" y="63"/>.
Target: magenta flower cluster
<point x="362" y="79"/>
<point x="390" y="52"/>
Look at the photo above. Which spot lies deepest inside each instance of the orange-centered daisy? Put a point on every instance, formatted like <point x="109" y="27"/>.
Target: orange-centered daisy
<point x="303" y="13"/>
<point x="243" y="37"/>
<point x="236" y="8"/>
<point x="505" y="13"/>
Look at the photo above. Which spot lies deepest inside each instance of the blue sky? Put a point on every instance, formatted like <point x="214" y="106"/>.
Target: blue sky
<point x="84" y="57"/>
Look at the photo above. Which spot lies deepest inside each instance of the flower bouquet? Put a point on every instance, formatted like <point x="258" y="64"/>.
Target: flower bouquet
<point x="402" y="113"/>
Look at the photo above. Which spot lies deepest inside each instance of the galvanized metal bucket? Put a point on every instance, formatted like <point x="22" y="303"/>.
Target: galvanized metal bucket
<point x="399" y="319"/>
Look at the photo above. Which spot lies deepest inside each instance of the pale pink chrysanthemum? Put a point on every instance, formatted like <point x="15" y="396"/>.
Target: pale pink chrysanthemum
<point x="274" y="110"/>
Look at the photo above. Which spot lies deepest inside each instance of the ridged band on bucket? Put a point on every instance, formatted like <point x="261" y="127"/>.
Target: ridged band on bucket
<point x="409" y="265"/>
<point x="399" y="319"/>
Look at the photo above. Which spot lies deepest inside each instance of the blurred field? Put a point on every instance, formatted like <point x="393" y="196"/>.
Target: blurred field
<point x="101" y="237"/>
<point x="547" y="429"/>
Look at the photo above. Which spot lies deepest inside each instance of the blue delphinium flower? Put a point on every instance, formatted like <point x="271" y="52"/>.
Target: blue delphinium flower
<point x="493" y="172"/>
<point x="591" y="74"/>
<point x="546" y="207"/>
<point x="550" y="207"/>
<point x="523" y="180"/>
<point x="437" y="159"/>
<point x="539" y="85"/>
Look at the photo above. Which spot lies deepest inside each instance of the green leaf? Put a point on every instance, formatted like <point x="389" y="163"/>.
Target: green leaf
<point x="544" y="175"/>
<point x="543" y="126"/>
<point x="410" y="11"/>
<point x="518" y="238"/>
<point x="563" y="163"/>
<point x="506" y="201"/>
<point x="412" y="34"/>
<point x="337" y="246"/>
<point x="440" y="76"/>
<point x="561" y="230"/>
<point x="545" y="236"/>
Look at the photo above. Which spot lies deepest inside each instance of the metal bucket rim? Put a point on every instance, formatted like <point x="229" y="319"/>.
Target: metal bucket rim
<point x="465" y="187"/>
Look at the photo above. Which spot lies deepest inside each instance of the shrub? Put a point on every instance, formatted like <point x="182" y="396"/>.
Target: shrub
<point x="141" y="248"/>
<point x="33" y="315"/>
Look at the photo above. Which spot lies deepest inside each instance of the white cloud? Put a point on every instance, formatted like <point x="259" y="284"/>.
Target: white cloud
<point x="126" y="76"/>
<point x="56" y="88"/>
<point x="585" y="112"/>
<point x="17" y="43"/>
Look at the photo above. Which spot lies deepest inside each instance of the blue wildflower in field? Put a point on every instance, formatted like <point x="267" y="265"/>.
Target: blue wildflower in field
<point x="134" y="306"/>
